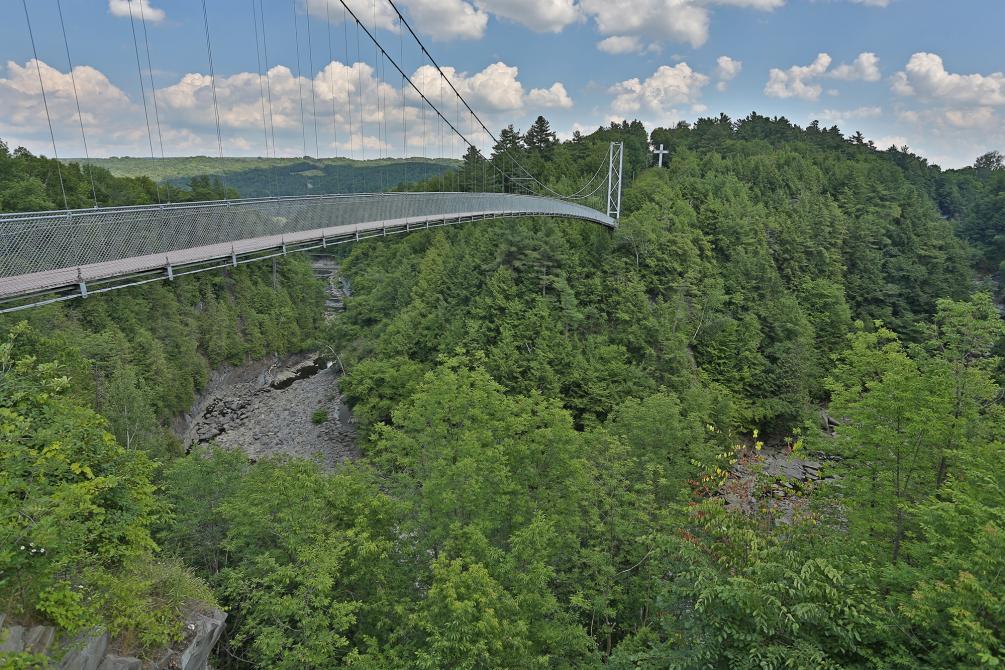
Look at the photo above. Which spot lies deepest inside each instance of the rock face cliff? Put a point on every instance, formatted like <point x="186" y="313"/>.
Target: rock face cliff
<point x="292" y="407"/>
<point x="93" y="650"/>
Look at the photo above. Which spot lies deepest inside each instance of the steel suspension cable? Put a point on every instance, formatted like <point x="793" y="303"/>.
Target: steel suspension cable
<point x="348" y="94"/>
<point x="314" y="97"/>
<point x="359" y="94"/>
<point x="150" y="73"/>
<point x="143" y="92"/>
<point x="404" y="127"/>
<point x="600" y="169"/>
<point x="268" y="88"/>
<point x="378" y="79"/>
<point x="300" y="86"/>
<point x="457" y="93"/>
<point x="411" y="83"/>
<point x="453" y="145"/>
<point x="331" y="85"/>
<point x="261" y="85"/>
<point x="216" y="102"/>
<point x="45" y="103"/>
<point x="76" y="99"/>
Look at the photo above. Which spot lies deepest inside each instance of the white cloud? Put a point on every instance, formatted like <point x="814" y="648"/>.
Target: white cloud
<point x="101" y="102"/>
<point x="884" y="142"/>
<point x="448" y="19"/>
<point x="726" y="70"/>
<point x="842" y="116"/>
<point x="345" y="94"/>
<point x="494" y="89"/>
<point x="659" y="20"/>
<point x="799" y="80"/>
<point x="795" y="82"/>
<point x="440" y="19"/>
<point x="556" y="96"/>
<point x="873" y="3"/>
<point x="865" y="67"/>
<point x="621" y="44"/>
<point x="952" y="135"/>
<point x="660" y="93"/>
<point x="925" y="76"/>
<point x="139" y="8"/>
<point x="538" y="15"/>
<point x="380" y="13"/>
<point x="979" y="117"/>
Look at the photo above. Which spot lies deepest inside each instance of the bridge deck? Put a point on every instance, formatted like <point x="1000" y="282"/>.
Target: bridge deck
<point x="48" y="251"/>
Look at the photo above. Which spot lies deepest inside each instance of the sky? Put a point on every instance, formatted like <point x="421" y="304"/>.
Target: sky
<point x="294" y="80"/>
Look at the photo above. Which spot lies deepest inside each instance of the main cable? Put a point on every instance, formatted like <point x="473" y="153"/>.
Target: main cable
<point x="314" y="96"/>
<point x="268" y="88"/>
<point x="261" y="85"/>
<point x="216" y="103"/>
<point x="143" y="92"/>
<point x="411" y="83"/>
<point x="300" y="85"/>
<point x="457" y="93"/>
<point x="76" y="99"/>
<point x="45" y="103"/>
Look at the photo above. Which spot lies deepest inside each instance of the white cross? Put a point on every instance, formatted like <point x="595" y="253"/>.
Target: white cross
<point x="661" y="152"/>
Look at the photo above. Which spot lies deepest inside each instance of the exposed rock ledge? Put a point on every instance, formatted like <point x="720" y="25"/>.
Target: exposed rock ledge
<point x="269" y="408"/>
<point x="91" y="651"/>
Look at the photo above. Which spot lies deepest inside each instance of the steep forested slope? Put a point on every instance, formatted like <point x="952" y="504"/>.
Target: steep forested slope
<point x="553" y="410"/>
<point x="743" y="262"/>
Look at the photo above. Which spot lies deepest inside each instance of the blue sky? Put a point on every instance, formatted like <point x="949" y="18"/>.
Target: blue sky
<point x="926" y="73"/>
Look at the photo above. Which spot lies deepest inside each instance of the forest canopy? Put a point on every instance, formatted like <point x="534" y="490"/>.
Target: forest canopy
<point x="567" y="433"/>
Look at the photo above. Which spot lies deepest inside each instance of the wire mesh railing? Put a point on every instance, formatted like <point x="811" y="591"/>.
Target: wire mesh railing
<point x="44" y="241"/>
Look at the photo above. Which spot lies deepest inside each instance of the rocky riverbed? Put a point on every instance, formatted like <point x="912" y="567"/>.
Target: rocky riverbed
<point x="279" y="406"/>
<point x="290" y="406"/>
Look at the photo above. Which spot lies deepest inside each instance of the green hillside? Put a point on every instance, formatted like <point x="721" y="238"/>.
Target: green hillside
<point x="759" y="425"/>
<point x="260" y="177"/>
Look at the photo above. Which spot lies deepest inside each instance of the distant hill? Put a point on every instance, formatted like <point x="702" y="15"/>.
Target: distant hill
<point x="260" y="177"/>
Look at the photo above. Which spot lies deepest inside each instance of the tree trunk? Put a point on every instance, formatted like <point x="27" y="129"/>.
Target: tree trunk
<point x="899" y="536"/>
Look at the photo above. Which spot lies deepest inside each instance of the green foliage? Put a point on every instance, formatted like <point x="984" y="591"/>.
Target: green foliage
<point x="744" y="601"/>
<point x="910" y="416"/>
<point x="304" y="560"/>
<point x="950" y="594"/>
<point x="547" y="410"/>
<point x="138" y="356"/>
<point x="76" y="509"/>
<point x="319" y="416"/>
<point x="24" y="661"/>
<point x="375" y="386"/>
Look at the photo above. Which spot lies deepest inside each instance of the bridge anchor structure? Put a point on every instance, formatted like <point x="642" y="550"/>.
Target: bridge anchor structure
<point x="48" y="257"/>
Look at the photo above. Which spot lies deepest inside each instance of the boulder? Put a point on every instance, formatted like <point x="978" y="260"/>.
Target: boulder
<point x="113" y="662"/>
<point x="86" y="652"/>
<point x="207" y="633"/>
<point x="38" y="639"/>
<point x="12" y="639"/>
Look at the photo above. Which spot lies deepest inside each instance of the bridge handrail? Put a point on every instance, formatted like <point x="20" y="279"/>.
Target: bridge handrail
<point x="36" y="242"/>
<point x="10" y="217"/>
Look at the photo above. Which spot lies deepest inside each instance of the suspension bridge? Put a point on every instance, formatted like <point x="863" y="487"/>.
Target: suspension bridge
<point x="73" y="253"/>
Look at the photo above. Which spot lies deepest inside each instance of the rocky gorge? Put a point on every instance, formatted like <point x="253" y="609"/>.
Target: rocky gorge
<point x="282" y="405"/>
